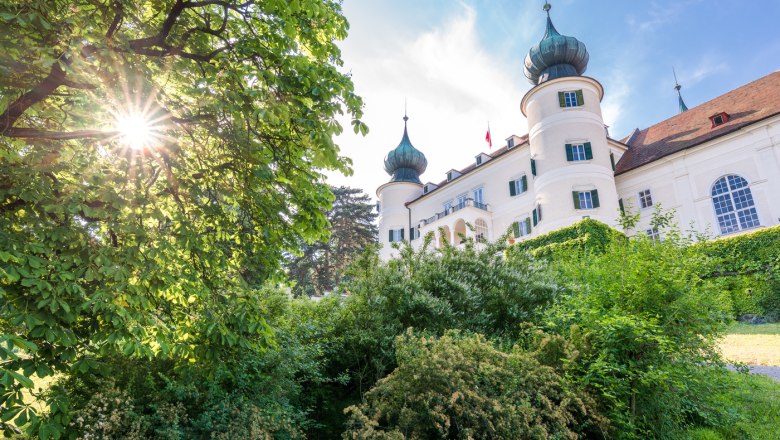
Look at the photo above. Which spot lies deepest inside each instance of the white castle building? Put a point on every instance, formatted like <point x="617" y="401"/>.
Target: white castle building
<point x="717" y="165"/>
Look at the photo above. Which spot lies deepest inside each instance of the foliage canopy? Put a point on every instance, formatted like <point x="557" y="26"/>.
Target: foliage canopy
<point x="148" y="241"/>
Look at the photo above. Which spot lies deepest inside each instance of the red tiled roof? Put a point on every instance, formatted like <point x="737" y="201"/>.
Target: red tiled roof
<point x="500" y="152"/>
<point x="746" y="105"/>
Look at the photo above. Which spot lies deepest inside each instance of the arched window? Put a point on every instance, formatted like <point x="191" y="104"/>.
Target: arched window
<point x="734" y="205"/>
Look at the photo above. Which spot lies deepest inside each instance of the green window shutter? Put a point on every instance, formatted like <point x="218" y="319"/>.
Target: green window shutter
<point x="524" y="184"/>
<point x="580" y="99"/>
<point x="536" y="220"/>
<point x="528" y="224"/>
<point x="622" y="208"/>
<point x="516" y="229"/>
<point x="588" y="151"/>
<point x="533" y="167"/>
<point x="539" y="212"/>
<point x="561" y="99"/>
<point x="595" y="195"/>
<point x="576" y="198"/>
<point x="512" y="188"/>
<point x="411" y="234"/>
<point x="402" y="234"/>
<point x="569" y="153"/>
<point x="390" y="238"/>
<point x="612" y="160"/>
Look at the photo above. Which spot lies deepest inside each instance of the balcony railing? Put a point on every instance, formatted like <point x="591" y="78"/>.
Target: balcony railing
<point x="465" y="204"/>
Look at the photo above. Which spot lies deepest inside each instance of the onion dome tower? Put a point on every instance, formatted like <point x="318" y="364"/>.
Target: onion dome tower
<point x="555" y="56"/>
<point x="405" y="164"/>
<point x="570" y="153"/>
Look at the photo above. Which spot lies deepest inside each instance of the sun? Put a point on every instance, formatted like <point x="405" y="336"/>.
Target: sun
<point x="135" y="130"/>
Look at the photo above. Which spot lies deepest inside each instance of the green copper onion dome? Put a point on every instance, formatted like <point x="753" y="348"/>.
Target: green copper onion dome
<point x="555" y="56"/>
<point x="405" y="163"/>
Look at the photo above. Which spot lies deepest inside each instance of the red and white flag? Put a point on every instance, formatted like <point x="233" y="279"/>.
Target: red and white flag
<point x="488" y="139"/>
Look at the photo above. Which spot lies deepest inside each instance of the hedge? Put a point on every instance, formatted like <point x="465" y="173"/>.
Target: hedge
<point x="757" y="251"/>
<point x="586" y="234"/>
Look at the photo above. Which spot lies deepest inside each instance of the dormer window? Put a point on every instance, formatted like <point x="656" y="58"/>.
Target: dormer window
<point x="479" y="160"/>
<point x="482" y="158"/>
<point x="428" y="187"/>
<point x="510" y="143"/>
<point x="452" y="174"/>
<point x="719" y="119"/>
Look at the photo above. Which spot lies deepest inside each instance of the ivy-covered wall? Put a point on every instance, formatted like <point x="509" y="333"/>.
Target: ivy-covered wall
<point x="745" y="268"/>
<point x="587" y="234"/>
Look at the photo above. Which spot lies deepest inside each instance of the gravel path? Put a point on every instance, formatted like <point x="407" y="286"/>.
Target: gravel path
<point x="773" y="372"/>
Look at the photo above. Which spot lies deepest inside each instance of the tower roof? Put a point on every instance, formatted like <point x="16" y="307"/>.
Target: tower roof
<point x="405" y="163"/>
<point x="555" y="56"/>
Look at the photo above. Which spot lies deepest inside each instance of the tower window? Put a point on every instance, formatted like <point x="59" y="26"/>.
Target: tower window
<point x="586" y="199"/>
<point x="576" y="152"/>
<point x="396" y="235"/>
<point x="572" y="98"/>
<point x="645" y="199"/>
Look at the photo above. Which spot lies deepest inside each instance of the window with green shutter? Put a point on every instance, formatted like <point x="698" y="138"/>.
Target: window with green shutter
<point x="512" y="188"/>
<point x="571" y="98"/>
<point x="516" y="229"/>
<point x="585" y="199"/>
<point x="528" y="224"/>
<point x="588" y="151"/>
<point x="536" y="220"/>
<point x="533" y="167"/>
<point x="622" y="208"/>
<point x="523" y="184"/>
<point x="612" y="160"/>
<point x="569" y="153"/>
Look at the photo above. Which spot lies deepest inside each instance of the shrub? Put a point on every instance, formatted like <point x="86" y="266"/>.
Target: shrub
<point x="462" y="387"/>
<point x="644" y="322"/>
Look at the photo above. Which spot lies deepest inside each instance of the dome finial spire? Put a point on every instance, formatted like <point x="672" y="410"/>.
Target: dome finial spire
<point x="555" y="56"/>
<point x="405" y="163"/>
<point x="677" y="86"/>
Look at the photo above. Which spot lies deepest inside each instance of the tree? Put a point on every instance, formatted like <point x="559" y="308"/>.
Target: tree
<point x="320" y="265"/>
<point x="157" y="159"/>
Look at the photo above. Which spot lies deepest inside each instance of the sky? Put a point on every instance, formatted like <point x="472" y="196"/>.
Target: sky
<point x="457" y="66"/>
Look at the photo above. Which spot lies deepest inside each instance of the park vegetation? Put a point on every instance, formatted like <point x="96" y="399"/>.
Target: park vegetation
<point x="144" y="280"/>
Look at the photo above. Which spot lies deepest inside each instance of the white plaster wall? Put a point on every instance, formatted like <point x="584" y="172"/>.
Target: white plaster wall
<point x="393" y="213"/>
<point x="683" y="181"/>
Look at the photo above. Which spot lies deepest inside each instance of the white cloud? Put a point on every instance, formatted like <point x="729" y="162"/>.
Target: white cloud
<point x="454" y="86"/>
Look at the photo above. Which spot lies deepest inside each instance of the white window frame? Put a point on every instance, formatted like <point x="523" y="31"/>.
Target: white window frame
<point x="586" y="199"/>
<point x="396" y="235"/>
<point x="653" y="234"/>
<point x="578" y="152"/>
<point x="570" y="99"/>
<point x="742" y="213"/>
<point x="645" y="198"/>
<point x="447" y="206"/>
<point x="481" y="198"/>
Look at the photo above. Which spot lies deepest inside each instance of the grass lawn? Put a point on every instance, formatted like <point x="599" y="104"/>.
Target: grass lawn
<point x="752" y="344"/>
<point x="754" y="402"/>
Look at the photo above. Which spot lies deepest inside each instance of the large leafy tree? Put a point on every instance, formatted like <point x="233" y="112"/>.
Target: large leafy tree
<point x="157" y="158"/>
<point x="320" y="265"/>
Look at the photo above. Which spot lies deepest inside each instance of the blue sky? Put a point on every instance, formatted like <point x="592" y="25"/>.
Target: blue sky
<point x="459" y="64"/>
